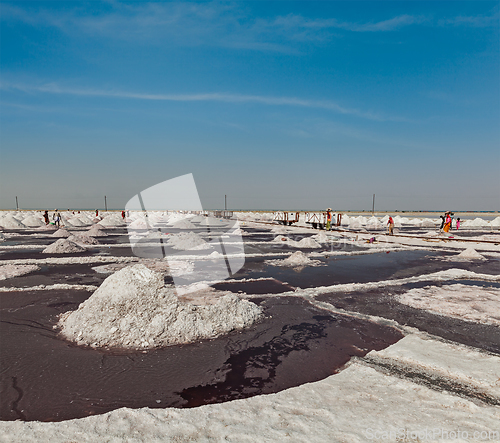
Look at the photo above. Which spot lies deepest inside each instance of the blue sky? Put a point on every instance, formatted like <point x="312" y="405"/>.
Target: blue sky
<point x="279" y="105"/>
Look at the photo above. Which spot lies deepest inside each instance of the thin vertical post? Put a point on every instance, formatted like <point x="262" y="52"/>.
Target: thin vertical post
<point x="105" y="204"/>
<point x="17" y="204"/>
<point x="225" y="202"/>
<point x="373" y="205"/>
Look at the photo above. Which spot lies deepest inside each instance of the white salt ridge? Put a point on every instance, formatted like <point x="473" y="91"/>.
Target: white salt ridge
<point x="183" y="224"/>
<point x="495" y="222"/>
<point x="134" y="309"/>
<point x="187" y="240"/>
<point x="374" y="224"/>
<point x="470" y="254"/>
<point x="63" y="246"/>
<point x="75" y="221"/>
<point x="11" y="271"/>
<point x="112" y="221"/>
<point x="345" y="407"/>
<point x="305" y="243"/>
<point x="471" y="303"/>
<point x="62" y="233"/>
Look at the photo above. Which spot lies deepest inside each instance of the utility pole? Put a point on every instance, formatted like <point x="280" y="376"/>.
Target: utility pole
<point x="225" y="202"/>
<point x="373" y="205"/>
<point x="105" y="204"/>
<point x="17" y="204"/>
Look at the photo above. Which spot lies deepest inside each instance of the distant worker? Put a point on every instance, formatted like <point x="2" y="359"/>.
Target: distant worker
<point x="328" y="218"/>
<point x="339" y="219"/>
<point x="57" y="217"/>
<point x="123" y="215"/>
<point x="458" y="223"/>
<point x="97" y="213"/>
<point x="442" y="222"/>
<point x="46" y="217"/>
<point x="390" y="223"/>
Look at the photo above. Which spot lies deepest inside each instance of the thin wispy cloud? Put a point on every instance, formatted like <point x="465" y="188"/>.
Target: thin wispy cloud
<point x="214" y="24"/>
<point x="53" y="88"/>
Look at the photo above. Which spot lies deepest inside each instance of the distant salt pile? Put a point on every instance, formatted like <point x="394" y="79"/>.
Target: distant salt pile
<point x="187" y="240"/>
<point x="296" y="260"/>
<point x="322" y="237"/>
<point x="33" y="222"/>
<point x="133" y="309"/>
<point x="476" y="223"/>
<point x="62" y="233"/>
<point x="10" y="271"/>
<point x="470" y="254"/>
<point x="374" y="224"/>
<point x="49" y="227"/>
<point x="75" y="221"/>
<point x="112" y="221"/>
<point x="10" y="222"/>
<point x="495" y="222"/>
<point x="97" y="231"/>
<point x="428" y="223"/>
<point x="63" y="246"/>
<point x="139" y="223"/>
<point x="354" y="223"/>
<point x="279" y="230"/>
<point x="83" y="239"/>
<point x="307" y="243"/>
<point x="415" y="222"/>
<point x="183" y="224"/>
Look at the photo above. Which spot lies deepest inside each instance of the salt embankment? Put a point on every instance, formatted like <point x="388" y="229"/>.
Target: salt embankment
<point x="63" y="246"/>
<point x="134" y="309"/>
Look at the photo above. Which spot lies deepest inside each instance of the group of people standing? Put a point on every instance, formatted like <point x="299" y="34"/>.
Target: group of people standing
<point x="56" y="217"/>
<point x="329" y="216"/>
<point x="447" y="220"/>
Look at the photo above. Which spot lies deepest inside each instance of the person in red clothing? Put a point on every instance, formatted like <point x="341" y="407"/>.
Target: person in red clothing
<point x="390" y="223"/>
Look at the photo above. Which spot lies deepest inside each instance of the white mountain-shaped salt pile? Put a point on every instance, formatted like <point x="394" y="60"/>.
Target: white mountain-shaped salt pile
<point x="211" y="221"/>
<point x="415" y="222"/>
<point x="495" y="222"/>
<point x="49" y="227"/>
<point x="187" y="240"/>
<point x="97" y="231"/>
<point x="184" y="224"/>
<point x="279" y="230"/>
<point x="354" y="223"/>
<point x="476" y="223"/>
<point x="75" y="221"/>
<point x="398" y="221"/>
<point x="321" y="237"/>
<point x="85" y="219"/>
<point x="33" y="222"/>
<point x="62" y="233"/>
<point x="140" y="223"/>
<point x="112" y="221"/>
<point x="428" y="223"/>
<point x="374" y="224"/>
<point x="299" y="259"/>
<point x="63" y="246"/>
<point x="307" y="243"/>
<point x="10" y="271"/>
<point x="470" y="254"/>
<point x="10" y="222"/>
<point x="134" y="309"/>
<point x="82" y="239"/>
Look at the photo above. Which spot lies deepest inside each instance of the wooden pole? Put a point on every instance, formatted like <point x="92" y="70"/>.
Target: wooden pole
<point x="225" y="202"/>
<point x="105" y="204"/>
<point x="17" y="204"/>
<point x="373" y="205"/>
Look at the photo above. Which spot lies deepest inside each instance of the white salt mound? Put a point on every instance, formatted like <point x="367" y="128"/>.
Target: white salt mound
<point x="62" y="233"/>
<point x="33" y="222"/>
<point x="187" y="240"/>
<point x="307" y="243"/>
<point x="63" y="246"/>
<point x="10" y="271"/>
<point x="83" y="239"/>
<point x="134" y="309"/>
<point x="184" y="224"/>
<point x="470" y="254"/>
<point x="97" y="231"/>
<point x="9" y="222"/>
<point x="297" y="259"/>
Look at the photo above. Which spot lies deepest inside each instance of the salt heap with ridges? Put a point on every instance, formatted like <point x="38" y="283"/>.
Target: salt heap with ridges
<point x="63" y="246"/>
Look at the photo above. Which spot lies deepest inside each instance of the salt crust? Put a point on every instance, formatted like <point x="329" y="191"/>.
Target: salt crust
<point x="134" y="309"/>
<point x="63" y="246"/>
<point x="346" y="407"/>
<point x="10" y="271"/>
<point x="471" y="303"/>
